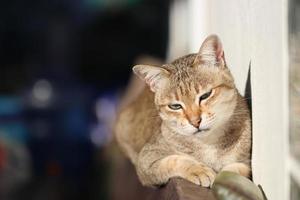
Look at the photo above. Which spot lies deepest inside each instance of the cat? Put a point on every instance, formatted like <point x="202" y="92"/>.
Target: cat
<point x="190" y="122"/>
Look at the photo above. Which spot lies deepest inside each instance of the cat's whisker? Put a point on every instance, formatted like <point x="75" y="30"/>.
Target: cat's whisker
<point x="192" y="85"/>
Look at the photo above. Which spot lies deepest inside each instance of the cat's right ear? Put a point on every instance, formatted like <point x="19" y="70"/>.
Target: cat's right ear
<point x="211" y="52"/>
<point x="155" y="77"/>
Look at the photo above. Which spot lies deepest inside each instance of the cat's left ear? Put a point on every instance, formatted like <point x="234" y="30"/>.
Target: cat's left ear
<point x="155" y="77"/>
<point x="211" y="52"/>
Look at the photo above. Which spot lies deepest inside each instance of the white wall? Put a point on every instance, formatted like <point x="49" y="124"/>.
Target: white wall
<point x="255" y="30"/>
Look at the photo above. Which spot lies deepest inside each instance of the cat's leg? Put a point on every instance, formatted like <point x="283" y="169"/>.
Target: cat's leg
<point x="240" y="168"/>
<point x="159" y="171"/>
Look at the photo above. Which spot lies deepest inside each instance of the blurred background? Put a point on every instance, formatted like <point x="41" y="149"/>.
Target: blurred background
<point x="65" y="66"/>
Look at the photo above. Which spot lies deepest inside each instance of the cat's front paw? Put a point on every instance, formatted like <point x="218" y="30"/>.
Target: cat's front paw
<point x="200" y="175"/>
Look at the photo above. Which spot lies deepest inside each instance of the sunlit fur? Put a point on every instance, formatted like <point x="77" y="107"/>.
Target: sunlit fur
<point x="185" y="86"/>
<point x="196" y="141"/>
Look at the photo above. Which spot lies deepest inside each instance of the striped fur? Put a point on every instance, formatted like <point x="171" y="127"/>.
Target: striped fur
<point x="197" y="141"/>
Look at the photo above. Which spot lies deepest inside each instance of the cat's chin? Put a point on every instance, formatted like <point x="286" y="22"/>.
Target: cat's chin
<point x="202" y="132"/>
<point x="191" y="131"/>
<point x="195" y="132"/>
<point x="199" y="132"/>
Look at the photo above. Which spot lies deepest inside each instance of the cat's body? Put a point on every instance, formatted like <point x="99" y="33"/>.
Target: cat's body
<point x="193" y="123"/>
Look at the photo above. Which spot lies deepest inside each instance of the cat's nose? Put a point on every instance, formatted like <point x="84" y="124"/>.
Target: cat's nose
<point x="196" y="123"/>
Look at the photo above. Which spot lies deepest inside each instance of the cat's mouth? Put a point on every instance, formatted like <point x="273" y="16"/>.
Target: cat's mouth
<point x="201" y="131"/>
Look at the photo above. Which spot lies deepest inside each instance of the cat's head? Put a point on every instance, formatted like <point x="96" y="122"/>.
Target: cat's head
<point x="193" y="94"/>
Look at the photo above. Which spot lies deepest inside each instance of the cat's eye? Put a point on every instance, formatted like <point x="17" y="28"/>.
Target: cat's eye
<point x="175" y="106"/>
<point x="205" y="96"/>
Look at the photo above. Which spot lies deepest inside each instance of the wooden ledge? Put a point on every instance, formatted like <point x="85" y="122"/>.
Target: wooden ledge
<point x="126" y="186"/>
<point x="180" y="189"/>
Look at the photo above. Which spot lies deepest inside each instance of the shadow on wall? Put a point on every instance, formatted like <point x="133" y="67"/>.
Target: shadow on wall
<point x="248" y="93"/>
